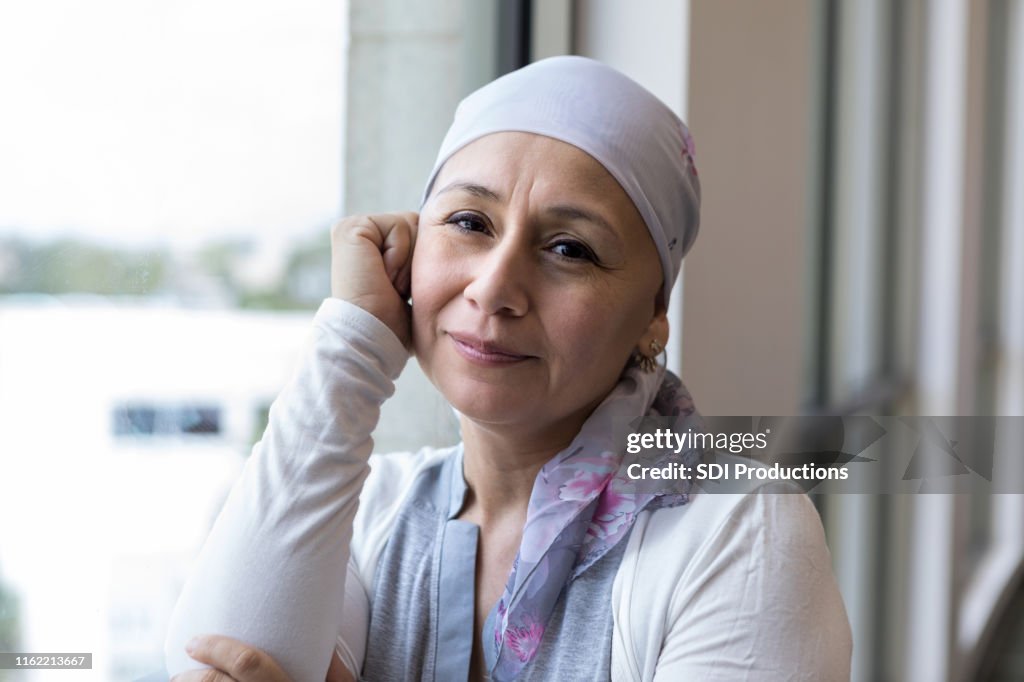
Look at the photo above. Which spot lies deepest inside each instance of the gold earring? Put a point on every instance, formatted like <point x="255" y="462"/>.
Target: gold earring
<point x="647" y="363"/>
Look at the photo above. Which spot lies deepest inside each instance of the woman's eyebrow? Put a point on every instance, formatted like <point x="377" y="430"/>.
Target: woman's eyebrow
<point x="568" y="212"/>
<point x="561" y="211"/>
<point x="472" y="188"/>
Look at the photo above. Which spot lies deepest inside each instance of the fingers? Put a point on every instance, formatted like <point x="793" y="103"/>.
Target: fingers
<point x="380" y="228"/>
<point x="398" y="232"/>
<point x="389" y="235"/>
<point x="371" y="265"/>
<point x="404" y="281"/>
<point x="231" y="660"/>
<point x="202" y="675"/>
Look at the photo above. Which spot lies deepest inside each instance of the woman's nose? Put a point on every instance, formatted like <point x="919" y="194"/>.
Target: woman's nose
<point x="500" y="280"/>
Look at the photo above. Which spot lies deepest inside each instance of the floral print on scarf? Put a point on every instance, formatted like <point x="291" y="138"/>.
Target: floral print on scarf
<point x="583" y="503"/>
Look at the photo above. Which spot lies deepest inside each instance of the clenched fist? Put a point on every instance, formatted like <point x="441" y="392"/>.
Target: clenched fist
<point x="371" y="266"/>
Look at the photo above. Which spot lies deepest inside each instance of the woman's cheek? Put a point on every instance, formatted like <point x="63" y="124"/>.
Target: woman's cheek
<point x="420" y="302"/>
<point x="426" y="292"/>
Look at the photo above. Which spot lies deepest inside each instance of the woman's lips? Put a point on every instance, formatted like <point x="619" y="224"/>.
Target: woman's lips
<point x="484" y="352"/>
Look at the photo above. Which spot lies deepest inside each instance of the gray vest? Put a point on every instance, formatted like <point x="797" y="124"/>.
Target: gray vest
<point x="422" y="614"/>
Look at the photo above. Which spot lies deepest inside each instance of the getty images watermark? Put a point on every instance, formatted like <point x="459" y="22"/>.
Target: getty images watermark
<point x="861" y="454"/>
<point x="667" y="440"/>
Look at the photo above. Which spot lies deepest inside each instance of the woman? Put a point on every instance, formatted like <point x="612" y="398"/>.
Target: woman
<point x="539" y="266"/>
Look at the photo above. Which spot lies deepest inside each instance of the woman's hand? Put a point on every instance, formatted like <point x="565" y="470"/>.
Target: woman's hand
<point x="371" y="266"/>
<point x="233" y="661"/>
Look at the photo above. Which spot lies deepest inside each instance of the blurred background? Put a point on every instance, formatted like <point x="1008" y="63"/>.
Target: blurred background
<point x="169" y="172"/>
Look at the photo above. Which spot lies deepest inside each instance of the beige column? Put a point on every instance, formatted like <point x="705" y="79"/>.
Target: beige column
<point x="409" y="64"/>
<point x="746" y="279"/>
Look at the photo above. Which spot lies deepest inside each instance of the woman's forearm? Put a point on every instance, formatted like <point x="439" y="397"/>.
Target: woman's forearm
<point x="272" y="570"/>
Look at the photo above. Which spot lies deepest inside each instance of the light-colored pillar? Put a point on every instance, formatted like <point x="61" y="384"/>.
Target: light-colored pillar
<point x="409" y="64"/>
<point x="858" y="217"/>
<point x="931" y="599"/>
<point x="1010" y="398"/>
<point x="992" y="582"/>
<point x="746" y="280"/>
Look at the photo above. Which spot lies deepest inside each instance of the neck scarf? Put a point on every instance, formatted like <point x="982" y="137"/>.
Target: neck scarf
<point x="583" y="503"/>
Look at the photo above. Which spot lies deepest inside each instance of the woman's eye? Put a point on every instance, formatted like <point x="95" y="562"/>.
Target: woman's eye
<point x="571" y="250"/>
<point x="467" y="222"/>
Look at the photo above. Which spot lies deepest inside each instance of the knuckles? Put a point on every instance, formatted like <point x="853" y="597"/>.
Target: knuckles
<point x="248" y="662"/>
<point x="346" y="226"/>
<point x="374" y="228"/>
<point x="211" y="675"/>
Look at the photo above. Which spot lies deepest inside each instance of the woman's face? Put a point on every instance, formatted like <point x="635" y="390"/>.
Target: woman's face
<point x="533" y="280"/>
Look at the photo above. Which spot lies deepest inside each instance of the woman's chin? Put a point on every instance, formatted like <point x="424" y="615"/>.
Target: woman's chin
<point x="489" y="395"/>
<point x="491" y="404"/>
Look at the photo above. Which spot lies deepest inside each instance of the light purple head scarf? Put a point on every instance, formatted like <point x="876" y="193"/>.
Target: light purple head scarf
<point x="583" y="502"/>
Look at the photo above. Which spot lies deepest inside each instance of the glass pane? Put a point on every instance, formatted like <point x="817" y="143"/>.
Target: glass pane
<point x="133" y="421"/>
<point x="170" y="172"/>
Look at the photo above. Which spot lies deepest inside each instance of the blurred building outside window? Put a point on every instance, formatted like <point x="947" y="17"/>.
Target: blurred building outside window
<point x="159" y="420"/>
<point x="170" y="172"/>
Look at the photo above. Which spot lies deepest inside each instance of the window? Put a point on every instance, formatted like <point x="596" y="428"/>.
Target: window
<point x="162" y="420"/>
<point x="170" y="174"/>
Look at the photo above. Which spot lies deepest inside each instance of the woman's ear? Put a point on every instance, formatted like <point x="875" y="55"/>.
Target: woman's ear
<point x="652" y="344"/>
<point x="658" y="329"/>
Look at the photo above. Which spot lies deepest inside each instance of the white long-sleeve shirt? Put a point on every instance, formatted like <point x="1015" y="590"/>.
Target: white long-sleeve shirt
<point x="729" y="586"/>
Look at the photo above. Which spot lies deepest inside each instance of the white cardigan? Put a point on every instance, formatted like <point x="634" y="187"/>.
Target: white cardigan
<point x="729" y="586"/>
